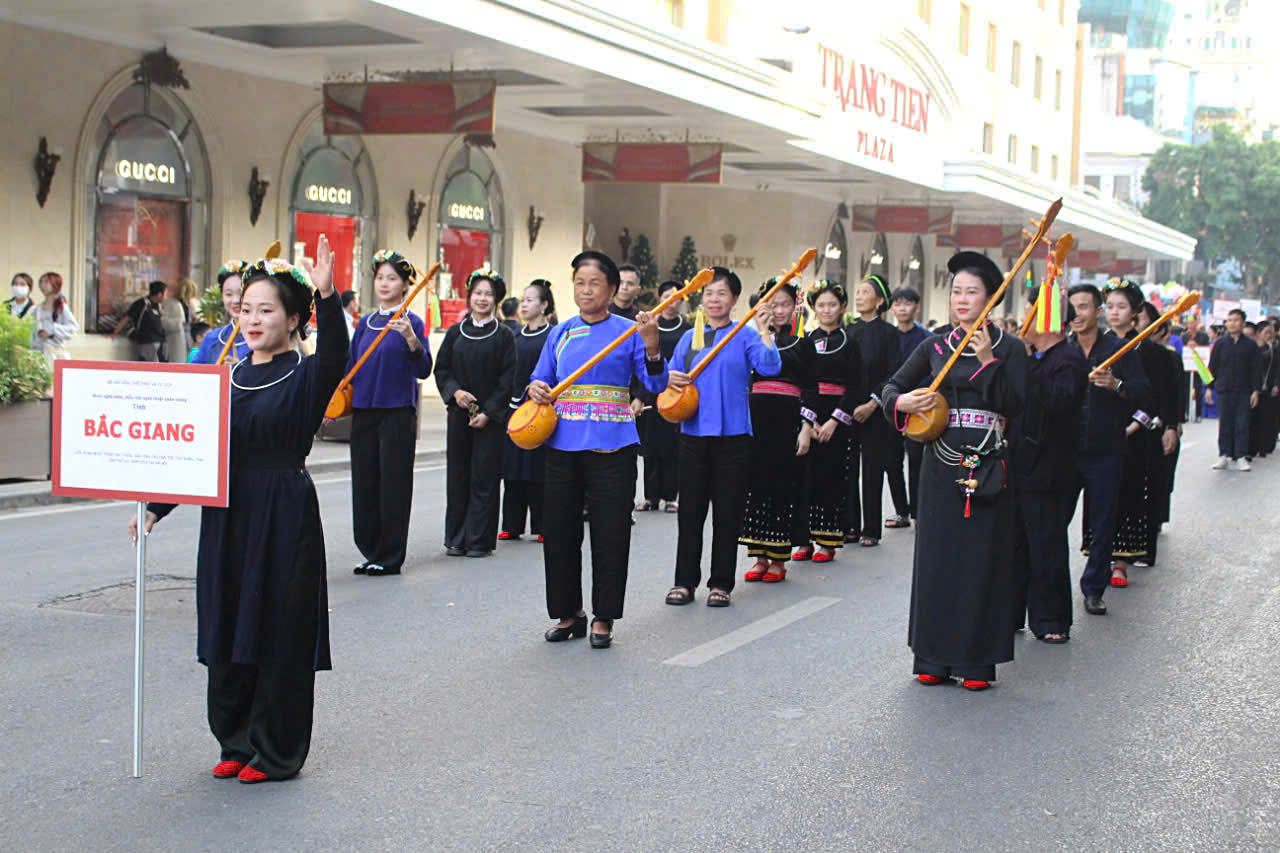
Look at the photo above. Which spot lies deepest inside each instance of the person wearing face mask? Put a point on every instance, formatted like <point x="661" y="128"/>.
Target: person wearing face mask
<point x="55" y="325"/>
<point x="657" y="435"/>
<point x="261" y="595"/>
<point x="1140" y="473"/>
<point x="714" y="455"/>
<point x="20" y="303"/>
<point x="384" y="418"/>
<point x="591" y="455"/>
<point x="963" y="580"/>
<point x="879" y="351"/>
<point x="1109" y="403"/>
<point x="775" y="517"/>
<point x="835" y="386"/>
<point x="522" y="470"/>
<point x="475" y="374"/>
<point x="230" y="285"/>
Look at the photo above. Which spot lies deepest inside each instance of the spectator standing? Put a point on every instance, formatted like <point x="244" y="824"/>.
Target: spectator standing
<point x="55" y="326"/>
<point x="20" y="303"/>
<point x="147" y="333"/>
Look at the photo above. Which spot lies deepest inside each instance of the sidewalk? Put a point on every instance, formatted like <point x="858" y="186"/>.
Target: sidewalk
<point x="327" y="457"/>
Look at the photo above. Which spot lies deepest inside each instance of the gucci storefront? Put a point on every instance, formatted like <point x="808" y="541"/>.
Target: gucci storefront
<point x="470" y="227"/>
<point x="149" y="205"/>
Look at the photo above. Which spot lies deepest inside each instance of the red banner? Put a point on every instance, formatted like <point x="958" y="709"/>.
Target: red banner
<point x="652" y="162"/>
<point x="1128" y="267"/>
<point x="1093" y="260"/>
<point x="901" y="219"/>
<point x="458" y="107"/>
<point x="973" y="237"/>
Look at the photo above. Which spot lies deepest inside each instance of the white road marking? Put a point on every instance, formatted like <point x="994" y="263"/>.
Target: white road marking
<point x="15" y="514"/>
<point x="713" y="649"/>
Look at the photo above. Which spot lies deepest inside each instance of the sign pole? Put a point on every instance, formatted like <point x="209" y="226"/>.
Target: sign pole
<point x="140" y="610"/>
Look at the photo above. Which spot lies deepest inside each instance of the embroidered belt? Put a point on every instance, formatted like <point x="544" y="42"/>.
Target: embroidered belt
<point x="603" y="403"/>
<point x="974" y="419"/>
<point x="775" y="387"/>
<point x="831" y="389"/>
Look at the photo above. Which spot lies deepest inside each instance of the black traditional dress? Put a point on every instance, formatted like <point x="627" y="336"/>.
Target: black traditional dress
<point x="522" y="470"/>
<point x="879" y="350"/>
<point x="1142" y="475"/>
<point x="480" y="359"/>
<point x="835" y="387"/>
<point x="1173" y="414"/>
<point x="261" y="594"/>
<point x="658" y="436"/>
<point x="776" y="515"/>
<point x="1262" y="419"/>
<point x="962" y="586"/>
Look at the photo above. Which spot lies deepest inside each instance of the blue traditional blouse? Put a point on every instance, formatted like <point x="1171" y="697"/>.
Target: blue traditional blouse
<point x="596" y="414"/>
<point x="214" y="340"/>
<point x="389" y="379"/>
<point x="724" y="388"/>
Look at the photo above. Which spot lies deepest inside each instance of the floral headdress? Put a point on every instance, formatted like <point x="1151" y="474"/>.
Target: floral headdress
<point x="485" y="273"/>
<point x="826" y="285"/>
<point x="399" y="262"/>
<point x="230" y="268"/>
<point x="293" y="277"/>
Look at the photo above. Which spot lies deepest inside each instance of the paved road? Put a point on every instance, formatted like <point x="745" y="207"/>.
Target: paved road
<point x="449" y="725"/>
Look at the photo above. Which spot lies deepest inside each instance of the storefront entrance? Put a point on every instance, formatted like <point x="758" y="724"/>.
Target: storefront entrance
<point x="470" y="235"/>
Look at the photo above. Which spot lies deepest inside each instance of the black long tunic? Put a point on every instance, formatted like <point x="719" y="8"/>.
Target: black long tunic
<point x="481" y="360"/>
<point x="261" y="595"/>
<point x="525" y="465"/>
<point x="658" y="435"/>
<point x="776" y="512"/>
<point x="836" y="365"/>
<point x="1142" y="477"/>
<point x="962" y="586"/>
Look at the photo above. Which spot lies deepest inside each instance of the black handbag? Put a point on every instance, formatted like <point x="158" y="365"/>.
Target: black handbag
<point x="983" y="475"/>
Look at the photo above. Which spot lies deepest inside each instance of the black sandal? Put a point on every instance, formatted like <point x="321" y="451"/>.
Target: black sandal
<point x="868" y="542"/>
<point x="679" y="595"/>
<point x="718" y="598"/>
<point x="1054" y="640"/>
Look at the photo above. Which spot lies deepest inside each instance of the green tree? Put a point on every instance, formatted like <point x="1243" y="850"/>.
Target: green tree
<point x="686" y="263"/>
<point x="1226" y="194"/>
<point x="642" y="259"/>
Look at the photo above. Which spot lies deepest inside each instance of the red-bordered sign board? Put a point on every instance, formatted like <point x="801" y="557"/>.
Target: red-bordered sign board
<point x="147" y="432"/>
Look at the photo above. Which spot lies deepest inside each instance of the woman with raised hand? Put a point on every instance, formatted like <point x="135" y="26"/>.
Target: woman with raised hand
<point x="261" y="598"/>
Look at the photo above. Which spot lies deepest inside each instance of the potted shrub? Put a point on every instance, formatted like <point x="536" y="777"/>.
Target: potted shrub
<point x="24" y="404"/>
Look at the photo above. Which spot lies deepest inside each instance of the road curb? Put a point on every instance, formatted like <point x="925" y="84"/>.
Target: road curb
<point x="40" y="494"/>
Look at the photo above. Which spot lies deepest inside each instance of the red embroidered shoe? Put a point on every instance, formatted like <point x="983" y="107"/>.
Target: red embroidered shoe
<point x="227" y="769"/>
<point x="251" y="775"/>
<point x="823" y="557"/>
<point x="776" y="574"/>
<point x="505" y="535"/>
<point x="756" y="572"/>
<point x="975" y="684"/>
<point x="540" y="539"/>
<point x="802" y="554"/>
<point x="931" y="680"/>
<point x="1119" y="576"/>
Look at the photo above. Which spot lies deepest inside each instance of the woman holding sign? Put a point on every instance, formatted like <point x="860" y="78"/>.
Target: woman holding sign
<point x="261" y="598"/>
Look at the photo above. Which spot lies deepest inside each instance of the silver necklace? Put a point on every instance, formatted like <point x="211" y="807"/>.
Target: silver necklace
<point x="462" y="329"/>
<point x="391" y="313"/>
<point x="662" y="328"/>
<point x="966" y="354"/>
<point x="525" y="331"/>
<point x="844" y="339"/>
<point x="269" y="384"/>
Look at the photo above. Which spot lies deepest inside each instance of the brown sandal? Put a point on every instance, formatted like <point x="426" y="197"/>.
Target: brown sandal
<point x="717" y="598"/>
<point x="679" y="595"/>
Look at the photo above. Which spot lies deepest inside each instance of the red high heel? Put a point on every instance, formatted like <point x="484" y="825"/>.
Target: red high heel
<point x="824" y="556"/>
<point x="777" y="574"/>
<point x="801" y="554"/>
<point x="756" y="572"/>
<point x="227" y="769"/>
<point x="251" y="775"/>
<point x="931" y="680"/>
<point x="975" y="684"/>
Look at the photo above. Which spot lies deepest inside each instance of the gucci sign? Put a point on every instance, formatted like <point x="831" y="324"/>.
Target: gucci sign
<point x="328" y="195"/>
<point x="469" y="212"/>
<point x="152" y="173"/>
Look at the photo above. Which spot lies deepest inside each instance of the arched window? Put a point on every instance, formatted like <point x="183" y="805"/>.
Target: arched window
<point x="334" y="193"/>
<point x="835" y="254"/>
<point x="877" y="263"/>
<point x="148" y="208"/>
<point x="912" y="273"/>
<point x="470" y="219"/>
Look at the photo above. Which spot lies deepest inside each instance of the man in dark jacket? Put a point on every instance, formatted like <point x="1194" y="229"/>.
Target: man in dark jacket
<point x="1109" y="401"/>
<point x="1044" y="442"/>
<point x="1235" y="367"/>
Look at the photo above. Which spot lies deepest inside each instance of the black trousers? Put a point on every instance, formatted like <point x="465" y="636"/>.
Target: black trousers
<point x="473" y="460"/>
<point x="382" y="445"/>
<point x="1233" y="423"/>
<point x="521" y="498"/>
<point x="872" y="450"/>
<point x="904" y="492"/>
<point x="604" y="484"/>
<point x="1099" y="477"/>
<point x="1042" y="556"/>
<point x="261" y="715"/>
<point x="713" y="474"/>
<point x="661" y="480"/>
